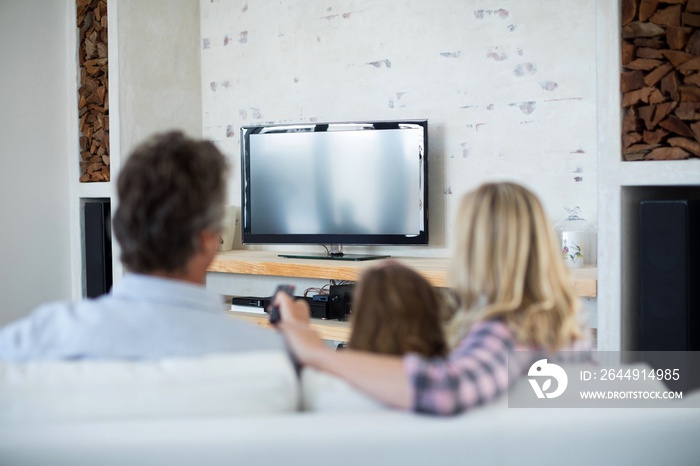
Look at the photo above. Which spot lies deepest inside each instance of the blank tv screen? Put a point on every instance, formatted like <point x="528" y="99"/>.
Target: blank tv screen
<point x="336" y="182"/>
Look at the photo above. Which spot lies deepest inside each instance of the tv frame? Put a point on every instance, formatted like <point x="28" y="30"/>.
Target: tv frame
<point x="335" y="242"/>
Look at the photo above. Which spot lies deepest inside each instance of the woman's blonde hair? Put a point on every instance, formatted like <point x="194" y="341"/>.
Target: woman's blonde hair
<point x="507" y="266"/>
<point x="395" y="311"/>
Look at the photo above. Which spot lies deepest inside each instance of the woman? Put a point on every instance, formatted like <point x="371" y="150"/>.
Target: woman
<point x="516" y="294"/>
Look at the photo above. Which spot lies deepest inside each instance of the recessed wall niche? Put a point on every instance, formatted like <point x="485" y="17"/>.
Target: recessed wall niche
<point x="93" y="94"/>
<point x="660" y="79"/>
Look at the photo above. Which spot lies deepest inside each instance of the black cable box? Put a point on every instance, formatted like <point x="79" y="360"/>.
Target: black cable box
<point x="340" y="300"/>
<point x="319" y="307"/>
<point x="336" y="305"/>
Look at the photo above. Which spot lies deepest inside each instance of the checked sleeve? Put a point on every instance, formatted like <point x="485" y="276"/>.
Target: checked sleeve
<point x="474" y="373"/>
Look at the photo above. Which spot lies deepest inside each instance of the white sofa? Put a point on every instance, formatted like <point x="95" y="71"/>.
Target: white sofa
<point x="250" y="409"/>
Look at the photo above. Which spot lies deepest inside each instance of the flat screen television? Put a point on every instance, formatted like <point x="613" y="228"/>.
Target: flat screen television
<point x="335" y="184"/>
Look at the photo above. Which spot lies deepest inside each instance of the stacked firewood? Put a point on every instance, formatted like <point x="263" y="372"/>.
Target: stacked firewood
<point x="660" y="81"/>
<point x="93" y="95"/>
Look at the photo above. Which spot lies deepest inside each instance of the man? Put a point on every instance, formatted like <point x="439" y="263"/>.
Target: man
<point x="171" y="192"/>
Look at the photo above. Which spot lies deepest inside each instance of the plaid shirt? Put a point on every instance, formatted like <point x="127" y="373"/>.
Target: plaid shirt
<point x="475" y="372"/>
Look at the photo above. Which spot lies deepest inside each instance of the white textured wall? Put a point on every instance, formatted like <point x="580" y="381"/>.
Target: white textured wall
<point x="158" y="62"/>
<point x="34" y="165"/>
<point x="508" y="86"/>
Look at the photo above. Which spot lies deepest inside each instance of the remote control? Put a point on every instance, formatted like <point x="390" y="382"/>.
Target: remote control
<point x="275" y="310"/>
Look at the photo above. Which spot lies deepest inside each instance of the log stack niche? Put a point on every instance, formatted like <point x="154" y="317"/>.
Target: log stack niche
<point x="93" y="100"/>
<point x="660" y="80"/>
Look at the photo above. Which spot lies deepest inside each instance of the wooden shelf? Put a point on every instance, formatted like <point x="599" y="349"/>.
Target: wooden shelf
<point x="436" y="270"/>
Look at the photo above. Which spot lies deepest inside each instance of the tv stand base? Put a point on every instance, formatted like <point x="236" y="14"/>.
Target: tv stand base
<point x="336" y="257"/>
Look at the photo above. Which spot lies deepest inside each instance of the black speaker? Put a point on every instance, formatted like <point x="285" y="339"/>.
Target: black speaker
<point x="98" y="247"/>
<point x="669" y="239"/>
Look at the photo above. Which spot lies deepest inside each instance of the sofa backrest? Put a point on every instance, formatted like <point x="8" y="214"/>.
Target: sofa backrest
<point x="253" y="383"/>
<point x="321" y="391"/>
<point x="247" y="383"/>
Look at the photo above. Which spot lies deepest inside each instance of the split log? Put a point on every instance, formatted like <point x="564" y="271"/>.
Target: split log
<point x="657" y="114"/>
<point x="654" y="137"/>
<point x="647" y="8"/>
<point x="690" y="19"/>
<point x="676" y="57"/>
<point x="630" y="139"/>
<point x="646" y="148"/>
<point x="688" y="111"/>
<point x="693" y="44"/>
<point x="627" y="52"/>
<point x="653" y="43"/>
<point x="629" y="11"/>
<point x="648" y="52"/>
<point x="689" y="145"/>
<point x="656" y="75"/>
<point x="630" y="123"/>
<point x="667" y="153"/>
<point x="693" y="6"/>
<point x="669" y="86"/>
<point x="675" y="125"/>
<point x="695" y="128"/>
<point x="676" y="37"/>
<point x="639" y="29"/>
<point x="643" y="64"/>
<point x="656" y="96"/>
<point x="690" y="67"/>
<point x="634" y="97"/>
<point x="631" y="81"/>
<point x="670" y="16"/>
<point x="689" y="93"/>
<point x="634" y="156"/>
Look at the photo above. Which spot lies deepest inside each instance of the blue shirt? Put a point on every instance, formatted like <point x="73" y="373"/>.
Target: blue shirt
<point x="143" y="317"/>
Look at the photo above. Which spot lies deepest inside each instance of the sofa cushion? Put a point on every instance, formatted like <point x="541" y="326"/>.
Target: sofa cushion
<point x="321" y="391"/>
<point x="248" y="383"/>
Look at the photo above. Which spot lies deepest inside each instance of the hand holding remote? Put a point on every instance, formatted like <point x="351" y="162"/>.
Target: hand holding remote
<point x="274" y="309"/>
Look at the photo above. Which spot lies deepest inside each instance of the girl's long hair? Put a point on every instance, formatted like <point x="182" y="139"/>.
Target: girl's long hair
<point x="396" y="311"/>
<point x="507" y="266"/>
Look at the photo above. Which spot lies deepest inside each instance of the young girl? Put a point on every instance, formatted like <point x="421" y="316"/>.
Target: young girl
<point x="516" y="294"/>
<point x="395" y="310"/>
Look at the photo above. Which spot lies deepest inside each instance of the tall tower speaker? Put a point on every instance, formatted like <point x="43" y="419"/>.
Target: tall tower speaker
<point x="669" y="240"/>
<point x="98" y="247"/>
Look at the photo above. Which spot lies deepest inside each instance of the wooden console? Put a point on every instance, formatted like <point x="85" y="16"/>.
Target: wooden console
<point x="436" y="270"/>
